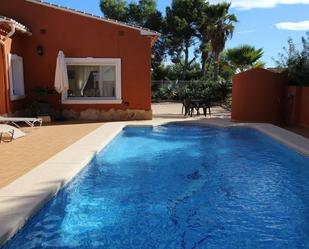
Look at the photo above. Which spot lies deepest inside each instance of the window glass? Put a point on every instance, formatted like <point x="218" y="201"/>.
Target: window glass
<point x="92" y="81"/>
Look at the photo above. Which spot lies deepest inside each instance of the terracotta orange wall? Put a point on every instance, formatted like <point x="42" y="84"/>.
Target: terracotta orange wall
<point x="14" y="46"/>
<point x="3" y="109"/>
<point x="258" y="96"/>
<point x="304" y="107"/>
<point x="79" y="36"/>
<point x="298" y="106"/>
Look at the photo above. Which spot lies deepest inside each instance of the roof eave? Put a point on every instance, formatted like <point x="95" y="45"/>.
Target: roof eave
<point x="24" y="31"/>
<point x="143" y="31"/>
<point x="18" y="26"/>
<point x="150" y="33"/>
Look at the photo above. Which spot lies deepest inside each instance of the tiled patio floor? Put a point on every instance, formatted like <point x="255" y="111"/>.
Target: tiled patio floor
<point x="173" y="110"/>
<point x="23" y="154"/>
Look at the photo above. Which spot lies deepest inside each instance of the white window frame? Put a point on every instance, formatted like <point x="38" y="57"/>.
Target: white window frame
<point x="12" y="95"/>
<point x="96" y="62"/>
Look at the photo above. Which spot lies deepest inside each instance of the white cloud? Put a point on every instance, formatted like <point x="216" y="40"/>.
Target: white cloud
<point x="245" y="31"/>
<point x="251" y="4"/>
<point x="304" y="25"/>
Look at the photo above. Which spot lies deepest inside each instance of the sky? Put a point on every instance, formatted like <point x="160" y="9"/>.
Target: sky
<point x="264" y="24"/>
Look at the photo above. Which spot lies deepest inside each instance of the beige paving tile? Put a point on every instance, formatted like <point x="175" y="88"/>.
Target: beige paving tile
<point x="40" y="144"/>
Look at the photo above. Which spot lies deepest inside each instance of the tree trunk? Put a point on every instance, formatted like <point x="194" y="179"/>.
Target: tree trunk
<point x="204" y="59"/>
<point x="216" y="67"/>
<point x="186" y="64"/>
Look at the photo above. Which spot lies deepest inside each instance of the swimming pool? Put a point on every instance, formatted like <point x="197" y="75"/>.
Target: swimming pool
<point x="180" y="186"/>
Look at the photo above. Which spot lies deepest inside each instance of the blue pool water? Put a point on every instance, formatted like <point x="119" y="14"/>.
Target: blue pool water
<point x="184" y="187"/>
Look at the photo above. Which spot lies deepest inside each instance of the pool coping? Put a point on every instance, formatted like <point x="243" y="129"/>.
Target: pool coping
<point x="23" y="197"/>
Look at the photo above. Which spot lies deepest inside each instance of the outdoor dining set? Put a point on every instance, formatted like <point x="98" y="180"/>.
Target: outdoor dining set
<point x="191" y="105"/>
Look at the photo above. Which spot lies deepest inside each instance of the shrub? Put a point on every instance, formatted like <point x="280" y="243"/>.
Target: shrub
<point x="166" y="93"/>
<point x="296" y="61"/>
<point x="222" y="88"/>
<point x="216" y="91"/>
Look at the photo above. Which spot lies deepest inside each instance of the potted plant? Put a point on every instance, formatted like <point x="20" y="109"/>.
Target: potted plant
<point x="40" y="105"/>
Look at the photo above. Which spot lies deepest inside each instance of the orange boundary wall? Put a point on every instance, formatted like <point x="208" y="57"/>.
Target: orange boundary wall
<point x="260" y="95"/>
<point x="304" y="110"/>
<point x="298" y="106"/>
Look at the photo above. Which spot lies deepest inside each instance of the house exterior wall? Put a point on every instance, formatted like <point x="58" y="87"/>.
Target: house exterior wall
<point x="81" y="37"/>
<point x="258" y="95"/>
<point x="3" y="108"/>
<point x="14" y="46"/>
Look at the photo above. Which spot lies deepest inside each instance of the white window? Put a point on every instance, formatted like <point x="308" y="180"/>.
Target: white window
<point x="17" y="88"/>
<point x="93" y="81"/>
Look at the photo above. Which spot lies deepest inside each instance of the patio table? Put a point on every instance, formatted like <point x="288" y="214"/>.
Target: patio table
<point x="201" y="103"/>
<point x="197" y="104"/>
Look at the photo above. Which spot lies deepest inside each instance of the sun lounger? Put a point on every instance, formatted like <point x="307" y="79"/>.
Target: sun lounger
<point x="14" y="120"/>
<point x="11" y="131"/>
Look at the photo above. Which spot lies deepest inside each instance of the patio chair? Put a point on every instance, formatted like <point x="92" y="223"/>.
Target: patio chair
<point x="28" y="121"/>
<point x="188" y="107"/>
<point x="206" y="106"/>
<point x="11" y="131"/>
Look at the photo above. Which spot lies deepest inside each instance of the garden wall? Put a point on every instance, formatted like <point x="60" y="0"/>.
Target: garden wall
<point x="258" y="96"/>
<point x="298" y="106"/>
<point x="304" y="109"/>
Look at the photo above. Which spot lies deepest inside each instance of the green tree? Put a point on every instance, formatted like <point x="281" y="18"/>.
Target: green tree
<point x="114" y="9"/>
<point x="143" y="13"/>
<point x="221" y="28"/>
<point x="226" y="70"/>
<point x="203" y="24"/>
<point x="172" y="72"/>
<point x="181" y="31"/>
<point x="140" y="13"/>
<point x="296" y="61"/>
<point x="244" y="57"/>
<point x="186" y="24"/>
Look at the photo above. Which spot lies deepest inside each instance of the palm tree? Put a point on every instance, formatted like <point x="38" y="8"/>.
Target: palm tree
<point x="221" y="28"/>
<point x="202" y="26"/>
<point x="244" y="57"/>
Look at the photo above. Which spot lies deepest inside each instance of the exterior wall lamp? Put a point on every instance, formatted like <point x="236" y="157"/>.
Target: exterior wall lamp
<point x="39" y="50"/>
